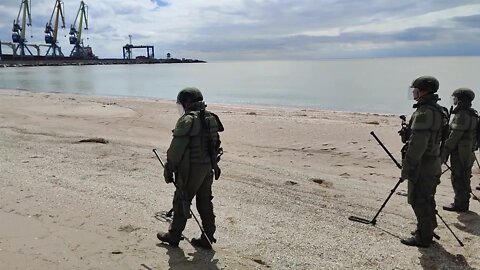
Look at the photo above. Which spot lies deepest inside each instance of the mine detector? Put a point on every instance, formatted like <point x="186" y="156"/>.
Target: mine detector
<point x="18" y="32"/>
<point x="80" y="51"/>
<point x="52" y="32"/>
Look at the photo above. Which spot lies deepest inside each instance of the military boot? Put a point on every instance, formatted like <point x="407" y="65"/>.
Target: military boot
<point x="434" y="234"/>
<point x="202" y="242"/>
<point x="413" y="242"/>
<point x="455" y="208"/>
<point x="167" y="238"/>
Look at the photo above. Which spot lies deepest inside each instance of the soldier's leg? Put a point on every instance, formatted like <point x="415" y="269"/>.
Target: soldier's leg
<point x="195" y="180"/>
<point x="200" y="186"/>
<point x="460" y="182"/>
<point x="424" y="211"/>
<point x="434" y="172"/>
<point x="424" y="208"/>
<point x="423" y="203"/>
<point x="205" y="206"/>
<point x="174" y="234"/>
<point x="179" y="219"/>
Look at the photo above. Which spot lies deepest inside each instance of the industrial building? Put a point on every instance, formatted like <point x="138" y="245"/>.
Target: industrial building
<point x="24" y="53"/>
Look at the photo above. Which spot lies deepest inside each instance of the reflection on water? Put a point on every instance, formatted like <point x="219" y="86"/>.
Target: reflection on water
<point x="373" y="85"/>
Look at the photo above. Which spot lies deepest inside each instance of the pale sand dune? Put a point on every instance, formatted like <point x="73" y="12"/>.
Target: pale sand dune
<point x="290" y="179"/>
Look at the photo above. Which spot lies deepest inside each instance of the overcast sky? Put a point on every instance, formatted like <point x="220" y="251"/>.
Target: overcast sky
<point x="216" y="30"/>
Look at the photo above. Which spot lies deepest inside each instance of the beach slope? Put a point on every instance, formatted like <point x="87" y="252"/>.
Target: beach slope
<point x="82" y="189"/>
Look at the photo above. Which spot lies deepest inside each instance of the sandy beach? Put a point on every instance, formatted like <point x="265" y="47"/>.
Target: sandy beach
<point x="290" y="180"/>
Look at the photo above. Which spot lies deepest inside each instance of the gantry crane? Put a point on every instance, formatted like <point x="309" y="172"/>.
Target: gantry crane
<point x="76" y="35"/>
<point x="18" y="32"/>
<point x="52" y="32"/>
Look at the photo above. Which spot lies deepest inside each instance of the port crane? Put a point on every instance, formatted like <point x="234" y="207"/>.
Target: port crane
<point x="52" y="32"/>
<point x="128" y="50"/>
<point x="18" y="32"/>
<point x="76" y="35"/>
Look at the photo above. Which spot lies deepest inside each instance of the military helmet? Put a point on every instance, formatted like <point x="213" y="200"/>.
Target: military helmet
<point x="189" y="94"/>
<point x="465" y="94"/>
<point x="426" y="83"/>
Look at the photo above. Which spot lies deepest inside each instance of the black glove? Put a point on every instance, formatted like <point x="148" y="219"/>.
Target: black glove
<point x="405" y="171"/>
<point x="167" y="174"/>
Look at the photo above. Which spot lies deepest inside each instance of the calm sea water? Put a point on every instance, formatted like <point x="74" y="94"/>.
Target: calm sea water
<point x="366" y="85"/>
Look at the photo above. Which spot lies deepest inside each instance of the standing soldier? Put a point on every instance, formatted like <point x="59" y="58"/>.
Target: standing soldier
<point x="460" y="146"/>
<point x="421" y="158"/>
<point x="192" y="156"/>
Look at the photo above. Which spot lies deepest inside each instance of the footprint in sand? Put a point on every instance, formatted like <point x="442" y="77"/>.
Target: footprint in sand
<point x="321" y="182"/>
<point x="128" y="228"/>
<point x="291" y="183"/>
<point x="260" y="261"/>
<point x="231" y="220"/>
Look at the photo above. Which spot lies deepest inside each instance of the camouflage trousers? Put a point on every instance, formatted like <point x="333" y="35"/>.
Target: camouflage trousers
<point x="198" y="186"/>
<point x="460" y="178"/>
<point x="421" y="196"/>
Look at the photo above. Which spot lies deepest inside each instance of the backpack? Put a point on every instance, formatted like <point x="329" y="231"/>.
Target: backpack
<point x="476" y="144"/>
<point x="476" y="137"/>
<point x="445" y="128"/>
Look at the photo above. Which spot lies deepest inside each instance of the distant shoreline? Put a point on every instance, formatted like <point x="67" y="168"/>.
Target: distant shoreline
<point x="222" y="104"/>
<point x="64" y="61"/>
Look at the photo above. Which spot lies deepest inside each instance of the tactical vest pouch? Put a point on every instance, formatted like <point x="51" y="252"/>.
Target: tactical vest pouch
<point x="445" y="129"/>
<point x="476" y="144"/>
<point x="474" y="125"/>
<point x="424" y="120"/>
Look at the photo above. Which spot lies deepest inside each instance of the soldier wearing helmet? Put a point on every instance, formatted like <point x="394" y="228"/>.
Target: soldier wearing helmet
<point x="192" y="157"/>
<point x="461" y="143"/>
<point x="421" y="158"/>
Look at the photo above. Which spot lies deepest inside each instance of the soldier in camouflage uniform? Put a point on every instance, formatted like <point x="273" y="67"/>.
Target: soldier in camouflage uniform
<point x="460" y="146"/>
<point x="189" y="158"/>
<point x="421" y="163"/>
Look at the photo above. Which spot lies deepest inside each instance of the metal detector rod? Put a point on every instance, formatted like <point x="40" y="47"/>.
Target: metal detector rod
<point x="398" y="165"/>
<point x="374" y="220"/>
<point x="448" y="227"/>
<point x="179" y="190"/>
<point x="474" y="197"/>
<point x="386" y="150"/>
